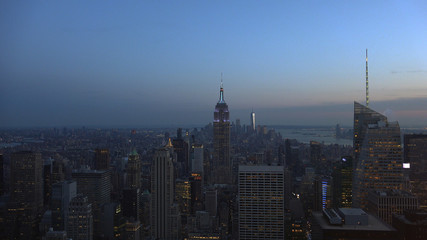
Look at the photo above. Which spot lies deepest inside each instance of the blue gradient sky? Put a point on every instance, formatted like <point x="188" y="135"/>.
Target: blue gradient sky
<point x="145" y="63"/>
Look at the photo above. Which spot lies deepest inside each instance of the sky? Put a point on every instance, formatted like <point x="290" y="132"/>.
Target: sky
<point x="159" y="63"/>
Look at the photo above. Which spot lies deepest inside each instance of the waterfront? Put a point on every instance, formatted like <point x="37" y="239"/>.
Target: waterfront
<point x="305" y="134"/>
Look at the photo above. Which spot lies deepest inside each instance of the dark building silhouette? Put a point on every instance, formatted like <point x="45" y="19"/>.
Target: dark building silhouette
<point x="96" y="186"/>
<point x="196" y="192"/>
<point x="343" y="182"/>
<point x="411" y="224"/>
<point x="133" y="171"/>
<point x="162" y="193"/>
<point x="221" y="169"/>
<point x="102" y="159"/>
<point x="131" y="203"/>
<point x="181" y="150"/>
<point x="1" y="175"/>
<point x="62" y="194"/>
<point x="26" y="193"/>
<point x="80" y="219"/>
<point x="47" y="181"/>
<point x="415" y="158"/>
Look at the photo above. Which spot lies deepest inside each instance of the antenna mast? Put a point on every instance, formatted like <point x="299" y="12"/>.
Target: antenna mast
<point x="367" y="82"/>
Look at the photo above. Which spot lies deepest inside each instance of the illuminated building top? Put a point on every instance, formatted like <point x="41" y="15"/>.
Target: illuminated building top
<point x="221" y="113"/>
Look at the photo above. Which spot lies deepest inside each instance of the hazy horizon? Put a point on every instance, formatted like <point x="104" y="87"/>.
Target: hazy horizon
<point x="159" y="63"/>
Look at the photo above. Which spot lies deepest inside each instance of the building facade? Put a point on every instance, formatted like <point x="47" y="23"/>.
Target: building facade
<point x="384" y="204"/>
<point x="80" y="219"/>
<point x="162" y="194"/>
<point x="26" y="175"/>
<point x="415" y="162"/>
<point x="378" y="155"/>
<point x="261" y="202"/>
<point x="221" y="166"/>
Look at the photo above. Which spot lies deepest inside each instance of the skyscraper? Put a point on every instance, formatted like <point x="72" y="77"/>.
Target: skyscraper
<point x="343" y="182"/>
<point x="363" y="117"/>
<point x="261" y="202"/>
<point x="26" y="180"/>
<point x="131" y="203"/>
<point x="180" y="147"/>
<point x="133" y="170"/>
<point x="96" y="186"/>
<point x="80" y="220"/>
<point x="162" y="194"/>
<point x="415" y="158"/>
<point x="197" y="164"/>
<point x="102" y="159"/>
<point x="26" y="191"/>
<point x="221" y="169"/>
<point x="253" y="126"/>
<point x="378" y="154"/>
<point x="1" y="175"/>
<point x="62" y="194"/>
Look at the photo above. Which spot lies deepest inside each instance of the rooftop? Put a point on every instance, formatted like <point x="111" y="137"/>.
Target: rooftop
<point x="374" y="223"/>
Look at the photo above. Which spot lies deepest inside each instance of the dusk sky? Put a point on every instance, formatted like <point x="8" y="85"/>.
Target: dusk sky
<point x="159" y="63"/>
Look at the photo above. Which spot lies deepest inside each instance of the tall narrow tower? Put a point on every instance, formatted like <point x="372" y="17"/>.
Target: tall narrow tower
<point x="133" y="170"/>
<point x="221" y="167"/>
<point x="367" y="82"/>
<point x="162" y="193"/>
<point x="253" y="120"/>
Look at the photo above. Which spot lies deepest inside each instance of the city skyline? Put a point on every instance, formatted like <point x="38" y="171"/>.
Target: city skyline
<point x="159" y="64"/>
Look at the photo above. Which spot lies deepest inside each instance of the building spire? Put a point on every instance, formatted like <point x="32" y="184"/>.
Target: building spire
<point x="367" y="82"/>
<point x="221" y="93"/>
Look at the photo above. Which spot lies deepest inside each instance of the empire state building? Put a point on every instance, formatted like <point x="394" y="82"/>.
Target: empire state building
<point x="221" y="167"/>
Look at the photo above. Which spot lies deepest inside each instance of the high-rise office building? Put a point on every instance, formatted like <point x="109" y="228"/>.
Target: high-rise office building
<point x="26" y="191"/>
<point x="363" y="117"/>
<point x="323" y="193"/>
<point x="261" y="202"/>
<point x="96" y="186"/>
<point x="384" y="204"/>
<point x="221" y="169"/>
<point x="162" y="194"/>
<point x="26" y="180"/>
<point x="47" y="181"/>
<point x="343" y="182"/>
<point x="183" y="195"/>
<point x="415" y="162"/>
<point x="196" y="192"/>
<point x="181" y="149"/>
<point x="131" y="203"/>
<point x="197" y="164"/>
<point x="1" y="175"/>
<point x="80" y="220"/>
<point x="133" y="171"/>
<point x="102" y="159"/>
<point x="62" y="193"/>
<point x="378" y="154"/>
